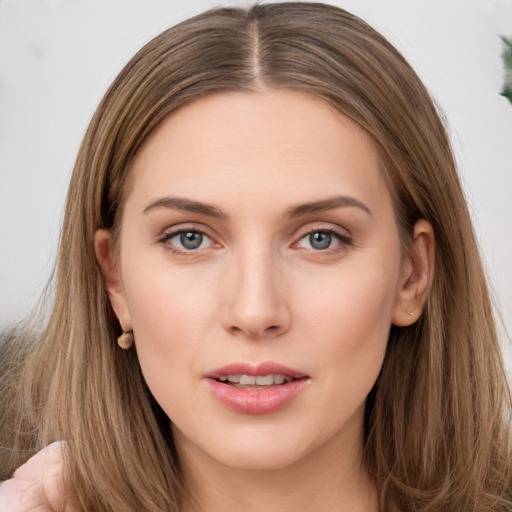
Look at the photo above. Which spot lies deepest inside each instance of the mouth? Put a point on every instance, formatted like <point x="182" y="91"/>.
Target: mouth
<point x="256" y="389"/>
<point x="255" y="382"/>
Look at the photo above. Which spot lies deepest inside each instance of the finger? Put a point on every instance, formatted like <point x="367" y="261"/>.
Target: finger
<point x="47" y="469"/>
<point x="22" y="496"/>
<point x="51" y="456"/>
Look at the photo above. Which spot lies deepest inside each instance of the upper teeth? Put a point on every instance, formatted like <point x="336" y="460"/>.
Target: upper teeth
<point x="251" y="380"/>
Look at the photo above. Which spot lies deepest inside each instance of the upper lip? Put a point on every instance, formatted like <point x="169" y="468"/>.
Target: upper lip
<point x="255" y="369"/>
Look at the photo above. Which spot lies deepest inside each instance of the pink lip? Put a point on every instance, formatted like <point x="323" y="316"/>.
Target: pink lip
<point x="256" y="401"/>
<point x="261" y="369"/>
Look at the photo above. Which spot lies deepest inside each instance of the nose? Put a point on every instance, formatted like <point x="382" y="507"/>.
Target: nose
<point x="256" y="298"/>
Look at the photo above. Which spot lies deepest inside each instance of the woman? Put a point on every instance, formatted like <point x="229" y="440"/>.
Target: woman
<point x="284" y="252"/>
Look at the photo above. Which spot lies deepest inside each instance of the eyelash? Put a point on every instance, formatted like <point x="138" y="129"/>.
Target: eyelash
<point x="344" y="241"/>
<point x="165" y="240"/>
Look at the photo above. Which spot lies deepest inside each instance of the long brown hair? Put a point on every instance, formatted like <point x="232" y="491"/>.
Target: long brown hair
<point x="437" y="435"/>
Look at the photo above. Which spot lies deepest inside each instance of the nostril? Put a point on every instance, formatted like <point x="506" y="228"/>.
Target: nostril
<point x="255" y="324"/>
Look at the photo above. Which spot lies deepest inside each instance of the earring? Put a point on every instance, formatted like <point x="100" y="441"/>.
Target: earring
<point x="406" y="311"/>
<point x="125" y="340"/>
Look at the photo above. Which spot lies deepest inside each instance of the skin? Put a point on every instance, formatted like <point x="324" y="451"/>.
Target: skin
<point x="257" y="290"/>
<point x="38" y="485"/>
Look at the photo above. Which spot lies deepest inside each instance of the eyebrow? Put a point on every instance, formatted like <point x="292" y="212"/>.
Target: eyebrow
<point x="325" y="205"/>
<point x="186" y="205"/>
<point x="189" y="205"/>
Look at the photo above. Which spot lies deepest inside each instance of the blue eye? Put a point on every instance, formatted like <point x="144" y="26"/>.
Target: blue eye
<point x="191" y="239"/>
<point x="322" y="239"/>
<point x="185" y="240"/>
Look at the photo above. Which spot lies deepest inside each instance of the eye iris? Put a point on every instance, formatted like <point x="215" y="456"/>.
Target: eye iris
<point x="191" y="239"/>
<point x="320" y="240"/>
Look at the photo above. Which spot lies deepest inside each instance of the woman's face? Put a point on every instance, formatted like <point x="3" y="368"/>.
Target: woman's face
<point x="258" y="239"/>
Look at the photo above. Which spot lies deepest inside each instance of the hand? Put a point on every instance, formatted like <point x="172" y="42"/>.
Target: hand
<point x="38" y="485"/>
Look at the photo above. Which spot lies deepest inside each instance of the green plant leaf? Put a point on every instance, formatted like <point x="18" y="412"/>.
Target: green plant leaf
<point x="507" y="61"/>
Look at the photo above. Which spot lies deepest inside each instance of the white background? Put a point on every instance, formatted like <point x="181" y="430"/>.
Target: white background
<point x="57" y="58"/>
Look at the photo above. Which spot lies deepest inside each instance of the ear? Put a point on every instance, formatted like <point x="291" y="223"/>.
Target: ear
<point x="109" y="268"/>
<point x="415" y="276"/>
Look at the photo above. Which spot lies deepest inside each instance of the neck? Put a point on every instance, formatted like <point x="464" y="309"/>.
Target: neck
<point x="330" y="479"/>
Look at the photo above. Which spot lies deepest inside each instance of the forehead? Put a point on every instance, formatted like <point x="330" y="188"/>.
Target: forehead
<point x="278" y="142"/>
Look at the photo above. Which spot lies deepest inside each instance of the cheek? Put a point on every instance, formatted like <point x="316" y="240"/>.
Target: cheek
<point x="163" y="297"/>
<point x="356" y="307"/>
<point x="350" y="321"/>
<point x="170" y="315"/>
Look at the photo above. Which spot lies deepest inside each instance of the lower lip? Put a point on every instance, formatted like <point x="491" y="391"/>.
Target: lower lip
<point x="257" y="401"/>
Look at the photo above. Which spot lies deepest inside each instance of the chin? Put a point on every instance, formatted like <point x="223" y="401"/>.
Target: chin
<point x="263" y="447"/>
<point x="261" y="457"/>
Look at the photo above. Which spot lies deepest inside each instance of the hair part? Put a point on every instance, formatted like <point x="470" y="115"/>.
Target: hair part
<point x="437" y="433"/>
